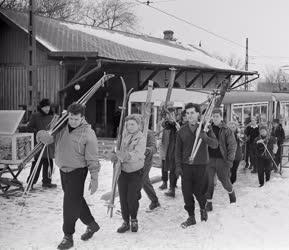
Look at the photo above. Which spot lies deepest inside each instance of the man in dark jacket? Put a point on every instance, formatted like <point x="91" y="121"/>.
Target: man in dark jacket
<point x="278" y="133"/>
<point x="194" y="178"/>
<point x="41" y="120"/>
<point x="251" y="132"/>
<point x="221" y="158"/>
<point x="265" y="148"/>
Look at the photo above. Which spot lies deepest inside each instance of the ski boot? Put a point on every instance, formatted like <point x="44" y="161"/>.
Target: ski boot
<point x="134" y="225"/>
<point x="232" y="197"/>
<point x="66" y="243"/>
<point x="154" y="204"/>
<point x="124" y="227"/>
<point x="163" y="186"/>
<point x="171" y="193"/>
<point x="189" y="222"/>
<point x="204" y="215"/>
<point x="209" y="206"/>
<point x="90" y="230"/>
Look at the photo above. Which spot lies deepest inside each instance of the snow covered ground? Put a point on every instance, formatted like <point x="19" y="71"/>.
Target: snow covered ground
<point x="259" y="219"/>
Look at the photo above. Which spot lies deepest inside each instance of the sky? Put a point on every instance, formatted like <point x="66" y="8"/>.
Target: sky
<point x="263" y="22"/>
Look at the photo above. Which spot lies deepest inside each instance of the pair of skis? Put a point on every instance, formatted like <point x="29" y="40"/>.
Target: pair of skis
<point x="117" y="165"/>
<point x="57" y="125"/>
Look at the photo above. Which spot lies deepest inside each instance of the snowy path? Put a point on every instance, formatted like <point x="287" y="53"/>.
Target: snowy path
<point x="259" y="220"/>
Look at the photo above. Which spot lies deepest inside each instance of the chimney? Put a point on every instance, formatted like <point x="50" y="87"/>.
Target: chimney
<point x="169" y="35"/>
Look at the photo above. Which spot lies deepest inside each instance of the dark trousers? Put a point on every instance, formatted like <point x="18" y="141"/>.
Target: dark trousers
<point x="147" y="186"/>
<point x="277" y="157"/>
<point x="247" y="152"/>
<point x="47" y="167"/>
<point x="264" y="168"/>
<point x="234" y="170"/>
<point x="219" y="166"/>
<point x="252" y="152"/>
<point x="74" y="204"/>
<point x="168" y="175"/>
<point x="129" y="187"/>
<point x="194" y="182"/>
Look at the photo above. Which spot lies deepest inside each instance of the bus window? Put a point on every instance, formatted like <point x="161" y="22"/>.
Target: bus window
<point x="237" y="115"/>
<point x="264" y="113"/>
<point x="247" y="115"/>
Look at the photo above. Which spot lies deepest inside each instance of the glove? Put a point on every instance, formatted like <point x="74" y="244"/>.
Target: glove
<point x="93" y="185"/>
<point x="203" y="135"/>
<point x="148" y="151"/>
<point x="260" y="141"/>
<point x="44" y="137"/>
<point x="112" y="156"/>
<point x="122" y="156"/>
<point x="178" y="172"/>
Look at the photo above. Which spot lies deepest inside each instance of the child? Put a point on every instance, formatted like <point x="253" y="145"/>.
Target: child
<point x="265" y="148"/>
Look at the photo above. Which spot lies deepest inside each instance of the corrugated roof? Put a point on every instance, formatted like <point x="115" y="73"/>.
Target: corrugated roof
<point x="60" y="36"/>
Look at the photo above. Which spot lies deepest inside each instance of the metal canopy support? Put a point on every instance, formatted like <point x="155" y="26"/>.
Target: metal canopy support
<point x="194" y="79"/>
<point x="238" y="79"/>
<point x="211" y="78"/>
<point x="246" y="82"/>
<point x="75" y="80"/>
<point x="150" y="77"/>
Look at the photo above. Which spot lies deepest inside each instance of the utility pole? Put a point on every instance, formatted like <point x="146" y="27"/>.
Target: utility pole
<point x="246" y="64"/>
<point x="32" y="72"/>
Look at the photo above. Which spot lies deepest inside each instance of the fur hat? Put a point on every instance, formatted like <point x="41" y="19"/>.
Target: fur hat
<point x="263" y="127"/>
<point x="44" y="102"/>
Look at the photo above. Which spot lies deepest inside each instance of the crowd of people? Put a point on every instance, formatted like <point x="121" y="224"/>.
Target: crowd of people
<point x="218" y="156"/>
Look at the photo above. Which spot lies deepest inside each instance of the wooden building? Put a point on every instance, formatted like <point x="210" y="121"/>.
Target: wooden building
<point x="68" y="54"/>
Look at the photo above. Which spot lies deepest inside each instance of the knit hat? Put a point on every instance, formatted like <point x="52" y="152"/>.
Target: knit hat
<point x="217" y="111"/>
<point x="136" y="117"/>
<point x="44" y="102"/>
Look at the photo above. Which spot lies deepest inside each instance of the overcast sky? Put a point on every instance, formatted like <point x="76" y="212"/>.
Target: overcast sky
<point x="264" y="22"/>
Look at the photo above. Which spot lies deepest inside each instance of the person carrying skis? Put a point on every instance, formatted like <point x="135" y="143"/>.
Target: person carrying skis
<point x="221" y="158"/>
<point x="266" y="146"/>
<point x="131" y="156"/>
<point x="238" y="156"/>
<point x="41" y="121"/>
<point x="76" y="153"/>
<point x="193" y="174"/>
<point x="151" y="149"/>
<point x="251" y="132"/>
<point x="279" y="134"/>
<point x="170" y="126"/>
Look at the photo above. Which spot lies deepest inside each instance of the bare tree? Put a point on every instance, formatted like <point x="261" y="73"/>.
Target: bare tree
<point x="111" y="14"/>
<point x="11" y="4"/>
<point x="61" y="9"/>
<point x="232" y="60"/>
<point x="276" y="80"/>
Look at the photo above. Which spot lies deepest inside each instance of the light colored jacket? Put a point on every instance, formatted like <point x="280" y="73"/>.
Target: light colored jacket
<point x="134" y="145"/>
<point x="77" y="149"/>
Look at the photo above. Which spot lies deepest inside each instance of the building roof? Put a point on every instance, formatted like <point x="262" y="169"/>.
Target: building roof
<point x="66" y="37"/>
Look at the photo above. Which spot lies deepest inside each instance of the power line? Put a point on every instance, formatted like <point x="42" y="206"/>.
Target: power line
<point x="207" y="31"/>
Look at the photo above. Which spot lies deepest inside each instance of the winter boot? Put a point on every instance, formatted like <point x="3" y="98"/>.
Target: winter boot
<point x="204" y="215"/>
<point x="66" y="243"/>
<point x="209" y="206"/>
<point x="232" y="197"/>
<point x="124" y="227"/>
<point x="134" y="225"/>
<point x="189" y="222"/>
<point x="154" y="204"/>
<point x="171" y="193"/>
<point x="163" y="186"/>
<point x="92" y="228"/>
<point x="49" y="185"/>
